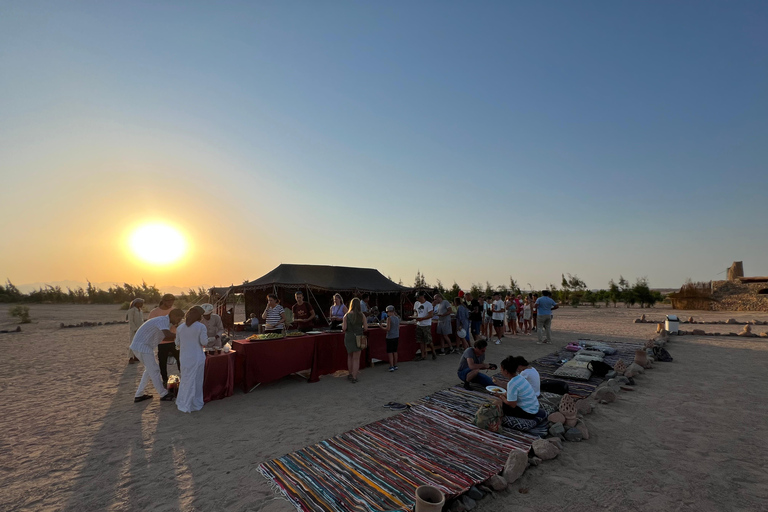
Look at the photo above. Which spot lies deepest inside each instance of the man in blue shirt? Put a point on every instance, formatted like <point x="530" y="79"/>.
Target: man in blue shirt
<point x="545" y="305"/>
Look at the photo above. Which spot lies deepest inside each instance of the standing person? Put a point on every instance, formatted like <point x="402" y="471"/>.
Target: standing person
<point x="534" y="311"/>
<point x="146" y="340"/>
<point x="498" y="317"/>
<point x="338" y="310"/>
<point x="166" y="348"/>
<point x="214" y="326"/>
<point x="444" y="329"/>
<point x="364" y="299"/>
<point x="393" y="336"/>
<point x="488" y="318"/>
<point x="475" y="316"/>
<point x="353" y="325"/>
<point x="519" y="304"/>
<point x="191" y="337"/>
<point x="135" y="318"/>
<point x="511" y="314"/>
<point x="527" y="317"/>
<point x="303" y="313"/>
<point x="424" y="311"/>
<point x="545" y="305"/>
<point x="273" y="315"/>
<point x="472" y="362"/>
<point x="462" y="322"/>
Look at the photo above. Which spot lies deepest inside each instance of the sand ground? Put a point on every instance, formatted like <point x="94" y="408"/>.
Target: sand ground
<point x="691" y="437"/>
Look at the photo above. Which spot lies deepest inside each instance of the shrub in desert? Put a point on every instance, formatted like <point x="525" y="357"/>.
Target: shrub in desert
<point x="22" y="313"/>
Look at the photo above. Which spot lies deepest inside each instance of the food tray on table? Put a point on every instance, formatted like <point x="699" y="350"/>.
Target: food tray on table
<point x="267" y="336"/>
<point x="294" y="334"/>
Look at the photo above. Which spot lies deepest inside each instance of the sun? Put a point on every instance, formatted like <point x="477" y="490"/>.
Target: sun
<point x="158" y="244"/>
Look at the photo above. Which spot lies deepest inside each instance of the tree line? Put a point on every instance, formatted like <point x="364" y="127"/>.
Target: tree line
<point x="572" y="290"/>
<point x="89" y="295"/>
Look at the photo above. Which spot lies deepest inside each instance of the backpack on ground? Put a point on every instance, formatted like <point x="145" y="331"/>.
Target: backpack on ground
<point x="661" y="354"/>
<point x="599" y="368"/>
<point x="489" y="416"/>
<point x="557" y="387"/>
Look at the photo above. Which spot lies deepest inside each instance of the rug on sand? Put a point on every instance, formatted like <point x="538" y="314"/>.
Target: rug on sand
<point x="378" y="467"/>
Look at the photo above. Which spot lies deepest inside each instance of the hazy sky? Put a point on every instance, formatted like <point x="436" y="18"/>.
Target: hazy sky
<point x="469" y="140"/>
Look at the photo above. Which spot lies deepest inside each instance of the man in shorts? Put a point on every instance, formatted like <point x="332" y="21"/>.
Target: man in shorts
<point x="472" y="362"/>
<point x="423" y="313"/>
<point x="444" y="329"/>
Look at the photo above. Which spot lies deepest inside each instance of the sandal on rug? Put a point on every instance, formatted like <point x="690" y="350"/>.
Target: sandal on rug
<point x="398" y="407"/>
<point x="141" y="398"/>
<point x="389" y="404"/>
<point x="167" y="398"/>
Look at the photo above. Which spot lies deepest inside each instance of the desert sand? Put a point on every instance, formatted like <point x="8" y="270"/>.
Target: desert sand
<point x="691" y="437"/>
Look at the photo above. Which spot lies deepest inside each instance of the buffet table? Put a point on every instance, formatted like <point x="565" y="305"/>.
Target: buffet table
<point x="265" y="361"/>
<point x="219" y="377"/>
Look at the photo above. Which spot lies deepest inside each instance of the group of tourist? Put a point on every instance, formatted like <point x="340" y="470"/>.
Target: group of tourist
<point x="164" y="331"/>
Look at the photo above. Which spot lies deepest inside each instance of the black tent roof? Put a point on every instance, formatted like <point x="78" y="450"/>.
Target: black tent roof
<point x="324" y="277"/>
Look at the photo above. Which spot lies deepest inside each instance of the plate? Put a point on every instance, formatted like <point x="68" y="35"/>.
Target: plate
<point x="494" y="389"/>
<point x="314" y="332"/>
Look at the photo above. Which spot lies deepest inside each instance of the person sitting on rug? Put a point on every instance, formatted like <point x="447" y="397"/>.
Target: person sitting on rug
<point x="472" y="362"/>
<point x="530" y="374"/>
<point x="520" y="400"/>
<point x="191" y="337"/>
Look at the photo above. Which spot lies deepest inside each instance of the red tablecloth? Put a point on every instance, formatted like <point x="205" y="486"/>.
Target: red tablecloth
<point x="406" y="347"/>
<point x="219" y="379"/>
<point x="269" y="360"/>
<point x="331" y="355"/>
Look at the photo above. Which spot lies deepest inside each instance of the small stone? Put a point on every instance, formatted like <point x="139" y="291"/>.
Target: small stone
<point x="544" y="449"/>
<point x="485" y="489"/>
<point x="659" y="328"/>
<point x="698" y="332"/>
<point x="458" y="506"/>
<point x="605" y="394"/>
<point x="571" y="422"/>
<point x="611" y="374"/>
<point x="584" y="406"/>
<point x="573" y="435"/>
<point x="515" y="466"/>
<point x="637" y="321"/>
<point x="764" y="334"/>
<point x="535" y="461"/>
<point x="496" y="483"/>
<point x="557" y="441"/>
<point x="621" y="379"/>
<point x="613" y="384"/>
<point x="475" y="493"/>
<point x="635" y="368"/>
<point x="468" y="502"/>
<point x="731" y="321"/>
<point x="584" y="430"/>
<point x="556" y="417"/>
<point x="556" y="429"/>
<point x="61" y="325"/>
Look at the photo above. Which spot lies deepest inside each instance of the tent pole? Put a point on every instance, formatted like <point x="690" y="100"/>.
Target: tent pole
<point x="318" y="305"/>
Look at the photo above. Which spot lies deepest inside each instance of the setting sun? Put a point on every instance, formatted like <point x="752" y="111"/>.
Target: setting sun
<point x="159" y="244"/>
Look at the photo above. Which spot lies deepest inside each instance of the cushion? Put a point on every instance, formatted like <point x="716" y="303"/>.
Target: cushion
<point x="574" y="369"/>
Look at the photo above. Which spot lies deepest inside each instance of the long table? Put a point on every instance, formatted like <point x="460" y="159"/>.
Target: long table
<point x="264" y="361"/>
<point x="219" y="376"/>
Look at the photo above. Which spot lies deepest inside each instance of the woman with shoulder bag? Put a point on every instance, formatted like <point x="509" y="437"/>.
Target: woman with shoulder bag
<point x="355" y="328"/>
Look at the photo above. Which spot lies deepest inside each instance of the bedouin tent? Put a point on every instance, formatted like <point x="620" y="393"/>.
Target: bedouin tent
<point x="319" y="283"/>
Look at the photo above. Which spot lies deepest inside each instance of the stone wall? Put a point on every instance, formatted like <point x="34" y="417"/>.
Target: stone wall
<point x="736" y="296"/>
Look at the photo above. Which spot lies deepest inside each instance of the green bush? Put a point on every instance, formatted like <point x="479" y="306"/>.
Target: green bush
<point x="22" y="313"/>
<point x="125" y="306"/>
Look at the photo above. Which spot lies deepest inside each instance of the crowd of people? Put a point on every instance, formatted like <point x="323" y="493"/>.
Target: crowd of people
<point x="181" y="338"/>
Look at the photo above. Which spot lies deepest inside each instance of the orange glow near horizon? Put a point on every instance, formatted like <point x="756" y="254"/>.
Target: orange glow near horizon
<point x="158" y="244"/>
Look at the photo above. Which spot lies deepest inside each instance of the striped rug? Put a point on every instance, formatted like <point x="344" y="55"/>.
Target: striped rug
<point x="378" y="467"/>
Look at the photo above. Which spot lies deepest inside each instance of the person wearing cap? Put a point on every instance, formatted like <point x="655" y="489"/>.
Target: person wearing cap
<point x="213" y="325"/>
<point x="393" y="336"/>
<point x="135" y="318"/>
<point x="423" y="314"/>
<point x="167" y="347"/>
<point x="303" y="313"/>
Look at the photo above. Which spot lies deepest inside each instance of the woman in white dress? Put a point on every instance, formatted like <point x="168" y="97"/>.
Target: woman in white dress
<point x="191" y="337"/>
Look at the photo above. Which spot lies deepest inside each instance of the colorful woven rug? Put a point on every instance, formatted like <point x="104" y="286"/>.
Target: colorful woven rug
<point x="379" y="466"/>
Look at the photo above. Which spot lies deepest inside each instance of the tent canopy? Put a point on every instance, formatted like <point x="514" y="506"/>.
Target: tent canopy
<point x="324" y="277"/>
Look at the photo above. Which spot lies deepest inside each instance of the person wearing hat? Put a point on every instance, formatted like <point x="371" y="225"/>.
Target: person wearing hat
<point x="147" y="338"/>
<point x="135" y="318"/>
<point x="423" y="315"/>
<point x="213" y="325"/>
<point x="167" y="347"/>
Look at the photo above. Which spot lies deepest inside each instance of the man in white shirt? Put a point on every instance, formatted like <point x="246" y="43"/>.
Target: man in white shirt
<point x="423" y="312"/>
<point x="498" y="316"/>
<point x="213" y="325"/>
<point x="145" y="341"/>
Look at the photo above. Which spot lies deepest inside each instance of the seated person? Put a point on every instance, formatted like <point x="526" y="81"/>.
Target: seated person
<point x="530" y="374"/>
<point x="520" y="400"/>
<point x="472" y="362"/>
<point x="252" y="324"/>
<point x="303" y="314"/>
<point x="213" y="325"/>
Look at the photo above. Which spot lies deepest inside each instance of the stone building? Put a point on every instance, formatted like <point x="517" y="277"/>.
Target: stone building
<point x="740" y="293"/>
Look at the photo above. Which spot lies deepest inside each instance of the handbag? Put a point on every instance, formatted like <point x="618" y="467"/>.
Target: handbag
<point x="362" y="341"/>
